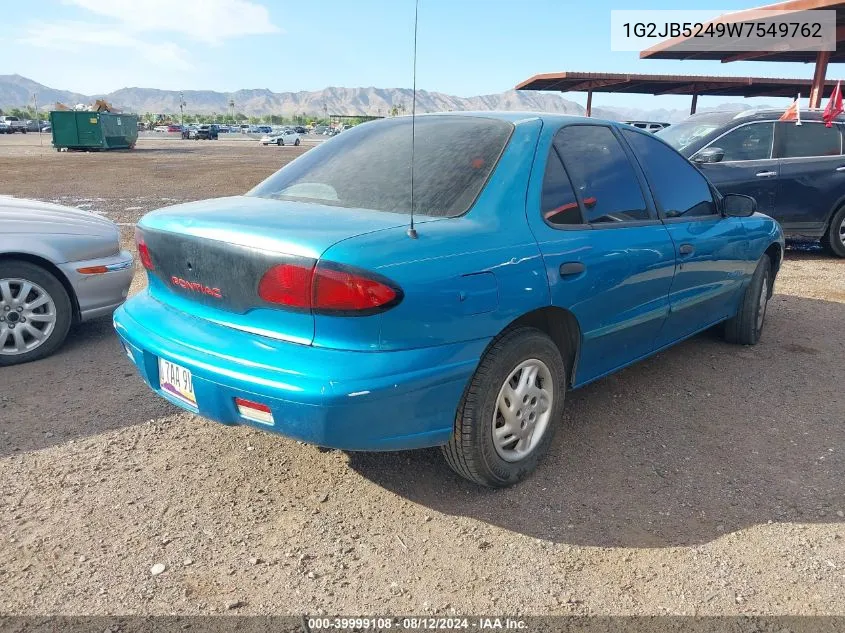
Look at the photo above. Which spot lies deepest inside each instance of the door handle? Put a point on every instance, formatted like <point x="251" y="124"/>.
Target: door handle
<point x="766" y="174"/>
<point x="842" y="168"/>
<point x="571" y="268"/>
<point x="686" y="249"/>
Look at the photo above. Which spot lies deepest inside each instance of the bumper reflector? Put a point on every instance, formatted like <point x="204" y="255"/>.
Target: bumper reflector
<point x="254" y="411"/>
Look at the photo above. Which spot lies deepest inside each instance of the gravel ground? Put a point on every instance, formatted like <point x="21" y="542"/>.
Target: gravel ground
<point x="705" y="480"/>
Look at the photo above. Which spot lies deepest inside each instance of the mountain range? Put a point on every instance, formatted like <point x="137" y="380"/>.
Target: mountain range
<point x="18" y="91"/>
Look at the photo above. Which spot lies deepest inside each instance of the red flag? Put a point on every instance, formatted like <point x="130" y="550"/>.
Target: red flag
<point x="834" y="106"/>
<point x="792" y="113"/>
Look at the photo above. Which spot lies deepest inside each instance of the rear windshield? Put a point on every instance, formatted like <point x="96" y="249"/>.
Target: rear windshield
<point x="682" y="135"/>
<point x="369" y="166"/>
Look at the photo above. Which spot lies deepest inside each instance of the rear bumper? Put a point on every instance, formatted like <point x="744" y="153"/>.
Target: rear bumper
<point x="335" y="398"/>
<point x="101" y="293"/>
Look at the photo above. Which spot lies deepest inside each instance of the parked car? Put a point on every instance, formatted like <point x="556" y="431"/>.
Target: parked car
<point x="300" y="130"/>
<point x="15" y="124"/>
<point x="285" y="137"/>
<point x="177" y="129"/>
<point x="205" y="132"/>
<point x="796" y="172"/>
<point x="161" y="128"/>
<point x="651" y="126"/>
<point x="58" y="266"/>
<point x="551" y="251"/>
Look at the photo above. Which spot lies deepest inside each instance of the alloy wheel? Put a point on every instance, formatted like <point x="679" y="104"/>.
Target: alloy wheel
<point x="27" y="316"/>
<point x="522" y="411"/>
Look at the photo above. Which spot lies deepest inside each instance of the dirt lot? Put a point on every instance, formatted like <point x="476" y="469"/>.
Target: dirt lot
<point x="706" y="480"/>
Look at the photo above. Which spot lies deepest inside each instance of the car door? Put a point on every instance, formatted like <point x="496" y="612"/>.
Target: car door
<point x="711" y="250"/>
<point x="608" y="258"/>
<point x="747" y="165"/>
<point x="812" y="175"/>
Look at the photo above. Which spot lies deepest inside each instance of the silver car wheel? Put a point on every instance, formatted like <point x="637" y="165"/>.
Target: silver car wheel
<point x="763" y="302"/>
<point x="522" y="412"/>
<point x="842" y="232"/>
<point x="27" y="316"/>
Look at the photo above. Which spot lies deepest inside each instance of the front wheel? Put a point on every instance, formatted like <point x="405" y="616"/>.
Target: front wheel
<point x="746" y="326"/>
<point x="280" y="142"/>
<point x="834" y="239"/>
<point x="35" y="312"/>
<point x="507" y="416"/>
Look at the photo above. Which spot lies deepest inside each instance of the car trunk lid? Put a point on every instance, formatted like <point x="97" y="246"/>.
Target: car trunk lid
<point x="209" y="257"/>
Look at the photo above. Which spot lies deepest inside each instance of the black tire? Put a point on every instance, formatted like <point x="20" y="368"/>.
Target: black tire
<point x="12" y="269"/>
<point x="280" y="142"/>
<point x="471" y="451"/>
<point x="746" y="326"/>
<point x="296" y="142"/>
<point x="834" y="239"/>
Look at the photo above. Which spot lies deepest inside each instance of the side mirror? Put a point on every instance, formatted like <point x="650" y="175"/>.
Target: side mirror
<point x="737" y="205"/>
<point x="709" y="155"/>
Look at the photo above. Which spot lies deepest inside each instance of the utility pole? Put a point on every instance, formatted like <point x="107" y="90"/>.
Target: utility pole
<point x="182" y="105"/>
<point x="232" y="107"/>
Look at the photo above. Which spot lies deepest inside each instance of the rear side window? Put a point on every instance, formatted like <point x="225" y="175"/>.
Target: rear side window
<point x="678" y="188"/>
<point x="748" y="142"/>
<point x="559" y="205"/>
<point x="601" y="173"/>
<point x="808" y="139"/>
<point x="369" y="166"/>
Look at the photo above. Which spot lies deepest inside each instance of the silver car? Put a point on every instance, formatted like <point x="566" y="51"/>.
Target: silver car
<point x="58" y="266"/>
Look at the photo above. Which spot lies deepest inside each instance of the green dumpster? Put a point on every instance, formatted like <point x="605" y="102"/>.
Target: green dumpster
<point x="93" y="130"/>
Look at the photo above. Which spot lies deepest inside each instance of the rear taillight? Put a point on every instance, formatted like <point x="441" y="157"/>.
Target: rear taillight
<point x="339" y="289"/>
<point x="143" y="250"/>
<point x="288" y="285"/>
<point x="328" y="288"/>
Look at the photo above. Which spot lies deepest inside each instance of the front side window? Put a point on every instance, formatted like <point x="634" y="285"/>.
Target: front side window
<point x="601" y="174"/>
<point x="678" y="188"/>
<point x="808" y="139"/>
<point x="369" y="166"/>
<point x="559" y="204"/>
<point x="747" y="142"/>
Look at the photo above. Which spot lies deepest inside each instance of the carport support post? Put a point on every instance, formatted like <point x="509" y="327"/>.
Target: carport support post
<point x="694" y="103"/>
<point x="822" y="57"/>
<point x="589" y="103"/>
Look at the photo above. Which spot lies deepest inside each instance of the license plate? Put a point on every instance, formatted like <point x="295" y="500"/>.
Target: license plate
<point x="177" y="381"/>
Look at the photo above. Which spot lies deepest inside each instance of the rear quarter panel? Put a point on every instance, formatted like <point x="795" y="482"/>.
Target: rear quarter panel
<point x="463" y="278"/>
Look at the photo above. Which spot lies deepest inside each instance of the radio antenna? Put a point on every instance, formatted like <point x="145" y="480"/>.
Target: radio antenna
<point x="412" y="232"/>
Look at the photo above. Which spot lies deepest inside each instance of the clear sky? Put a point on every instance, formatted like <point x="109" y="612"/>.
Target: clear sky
<point x="465" y="48"/>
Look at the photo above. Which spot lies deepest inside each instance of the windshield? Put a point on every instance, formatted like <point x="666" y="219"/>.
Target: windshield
<point x="369" y="166"/>
<point x="682" y="135"/>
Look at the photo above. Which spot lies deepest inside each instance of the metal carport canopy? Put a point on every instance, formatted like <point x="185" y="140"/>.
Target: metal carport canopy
<point x="674" y="48"/>
<point x="668" y="85"/>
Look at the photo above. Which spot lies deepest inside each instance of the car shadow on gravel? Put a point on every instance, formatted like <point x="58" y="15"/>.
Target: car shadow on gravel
<point x="88" y="386"/>
<point x="699" y="441"/>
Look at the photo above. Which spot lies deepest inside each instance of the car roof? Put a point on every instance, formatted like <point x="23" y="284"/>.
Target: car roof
<point x="756" y="114"/>
<point x="521" y="117"/>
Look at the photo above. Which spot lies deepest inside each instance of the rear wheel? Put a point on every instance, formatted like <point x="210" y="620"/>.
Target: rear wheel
<point x="35" y="312"/>
<point x="296" y="142"/>
<point x="746" y="326"/>
<point x="506" y="418"/>
<point x="834" y="239"/>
